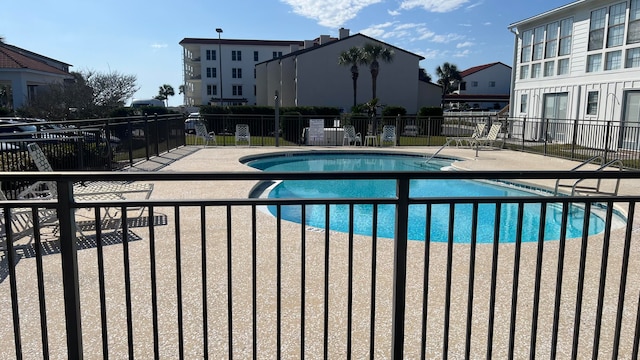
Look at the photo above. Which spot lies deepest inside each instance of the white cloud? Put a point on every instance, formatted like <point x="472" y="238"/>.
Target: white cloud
<point x="486" y="23"/>
<point x="474" y="5"/>
<point x="393" y="12"/>
<point x="438" y="6"/>
<point x="330" y="13"/>
<point x="446" y="38"/>
<point x="461" y="54"/>
<point x="377" y="31"/>
<point x="159" y="46"/>
<point x="464" y="44"/>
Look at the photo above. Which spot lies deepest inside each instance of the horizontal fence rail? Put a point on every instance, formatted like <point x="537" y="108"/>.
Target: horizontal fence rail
<point x="211" y="276"/>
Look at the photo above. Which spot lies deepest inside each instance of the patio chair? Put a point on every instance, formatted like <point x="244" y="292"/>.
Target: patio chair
<point x="350" y="136"/>
<point x="388" y="135"/>
<point x="491" y="137"/>
<point x="243" y="134"/>
<point x="460" y="140"/>
<point x="22" y="223"/>
<point x="204" y="135"/>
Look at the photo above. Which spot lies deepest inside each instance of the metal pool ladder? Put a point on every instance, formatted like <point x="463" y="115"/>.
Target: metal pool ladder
<point x="598" y="160"/>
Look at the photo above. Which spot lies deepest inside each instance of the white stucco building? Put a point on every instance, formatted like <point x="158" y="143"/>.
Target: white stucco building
<point x="215" y="68"/>
<point x="312" y="76"/>
<point x="23" y="74"/>
<point x="486" y="87"/>
<point x="575" y="63"/>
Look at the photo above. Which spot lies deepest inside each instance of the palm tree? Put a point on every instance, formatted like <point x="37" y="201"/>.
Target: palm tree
<point x="164" y="92"/>
<point x="353" y="57"/>
<point x="448" y="74"/>
<point x="373" y="52"/>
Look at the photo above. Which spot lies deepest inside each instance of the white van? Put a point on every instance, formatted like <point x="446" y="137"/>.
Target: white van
<point x="136" y="103"/>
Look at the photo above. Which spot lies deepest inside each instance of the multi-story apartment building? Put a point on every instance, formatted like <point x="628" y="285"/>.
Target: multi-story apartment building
<point x="222" y="71"/>
<point x="485" y="87"/>
<point x="579" y="62"/>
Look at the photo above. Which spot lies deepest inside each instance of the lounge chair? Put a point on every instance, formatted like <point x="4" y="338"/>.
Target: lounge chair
<point x="388" y="135"/>
<point x="460" y="140"/>
<point x="22" y="223"/>
<point x="491" y="137"/>
<point x="204" y="135"/>
<point x="243" y="134"/>
<point x="350" y="136"/>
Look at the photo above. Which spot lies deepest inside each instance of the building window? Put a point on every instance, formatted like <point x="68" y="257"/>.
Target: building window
<point x="236" y="55"/>
<point x="255" y="73"/>
<point x="566" y="32"/>
<point x="525" y="56"/>
<point x="474" y="84"/>
<point x="594" y="63"/>
<point x="255" y="56"/>
<point x="613" y="60"/>
<point x="563" y="66"/>
<point x="523" y="103"/>
<point x="492" y="84"/>
<point x="212" y="72"/>
<point x="615" y="33"/>
<point x="277" y="54"/>
<point x="212" y="90"/>
<point x="237" y="90"/>
<point x="236" y="73"/>
<point x="535" y="71"/>
<point x="633" y="35"/>
<point x="548" y="68"/>
<point x="538" y="43"/>
<point x="633" y="58"/>
<point x="524" y="71"/>
<point x="463" y="86"/>
<point x="596" y="29"/>
<point x="211" y="54"/>
<point x="592" y="103"/>
<point x="551" y="46"/>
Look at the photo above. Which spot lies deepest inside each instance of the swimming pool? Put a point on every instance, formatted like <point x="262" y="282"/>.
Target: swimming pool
<point x="339" y="214"/>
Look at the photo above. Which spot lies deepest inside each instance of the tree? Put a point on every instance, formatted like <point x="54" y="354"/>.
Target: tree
<point x="448" y="74"/>
<point x="164" y="92"/>
<point x="423" y="75"/>
<point x="373" y="53"/>
<point x="353" y="57"/>
<point x="111" y="90"/>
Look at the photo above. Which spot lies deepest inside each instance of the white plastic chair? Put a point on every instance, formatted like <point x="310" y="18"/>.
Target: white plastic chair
<point x="350" y="136"/>
<point x="388" y="135"/>
<point x="22" y="223"/>
<point x="204" y="135"/>
<point x="243" y="134"/>
<point x="491" y="137"/>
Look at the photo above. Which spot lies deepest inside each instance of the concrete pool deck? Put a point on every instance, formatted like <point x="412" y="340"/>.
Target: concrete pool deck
<point x="226" y="159"/>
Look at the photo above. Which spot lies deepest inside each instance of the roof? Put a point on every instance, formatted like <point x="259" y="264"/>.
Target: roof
<point x="547" y="13"/>
<point x="202" y="41"/>
<point x="10" y="59"/>
<point x="478" y="68"/>
<point x="335" y="41"/>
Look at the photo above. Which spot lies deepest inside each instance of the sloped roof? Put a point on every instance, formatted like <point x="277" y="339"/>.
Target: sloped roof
<point x="475" y="69"/>
<point x="10" y="59"/>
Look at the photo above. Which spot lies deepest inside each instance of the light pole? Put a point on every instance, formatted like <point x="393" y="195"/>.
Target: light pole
<point x="219" y="31"/>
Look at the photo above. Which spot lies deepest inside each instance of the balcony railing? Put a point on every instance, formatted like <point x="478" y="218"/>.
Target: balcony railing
<point x="209" y="275"/>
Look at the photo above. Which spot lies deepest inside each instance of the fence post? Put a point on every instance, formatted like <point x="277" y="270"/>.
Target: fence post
<point x="400" y="268"/>
<point x="146" y="135"/>
<point x="546" y="128"/>
<point x="606" y="141"/>
<point x="574" y="138"/>
<point x="276" y="99"/>
<point x="69" y="257"/>
<point x="157" y="125"/>
<point x="524" y="129"/>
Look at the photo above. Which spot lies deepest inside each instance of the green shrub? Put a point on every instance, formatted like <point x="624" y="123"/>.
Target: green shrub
<point x="4" y="111"/>
<point x="430" y="111"/>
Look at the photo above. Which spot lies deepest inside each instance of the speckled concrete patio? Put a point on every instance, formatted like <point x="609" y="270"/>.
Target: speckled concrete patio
<point x="226" y="159"/>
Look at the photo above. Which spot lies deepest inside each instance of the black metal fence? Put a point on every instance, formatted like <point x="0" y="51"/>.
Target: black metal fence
<point x="217" y="277"/>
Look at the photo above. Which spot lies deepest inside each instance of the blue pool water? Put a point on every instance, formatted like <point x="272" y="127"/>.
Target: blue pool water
<point x="339" y="214"/>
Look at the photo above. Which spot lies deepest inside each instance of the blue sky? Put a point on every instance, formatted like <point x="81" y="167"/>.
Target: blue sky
<point x="141" y="37"/>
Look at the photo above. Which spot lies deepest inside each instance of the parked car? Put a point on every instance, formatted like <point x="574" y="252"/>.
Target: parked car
<point x="190" y="123"/>
<point x="411" y="130"/>
<point x="13" y="130"/>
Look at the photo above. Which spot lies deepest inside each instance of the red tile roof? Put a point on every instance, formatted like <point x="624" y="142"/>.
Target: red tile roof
<point x="10" y="59"/>
<point x="475" y="69"/>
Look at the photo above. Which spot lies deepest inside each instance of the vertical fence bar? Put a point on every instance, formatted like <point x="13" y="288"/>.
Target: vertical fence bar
<point x="516" y="277"/>
<point x="203" y="275"/>
<point x="327" y="214"/>
<point x="11" y="263"/>
<point x="303" y="274"/>
<point x="154" y="283"/>
<point x="400" y="268"/>
<point x="472" y="267"/>
<point x="254" y="285"/>
<point x="623" y="279"/>
<point x="179" y="283"/>
<point x="494" y="279"/>
<point x="279" y="282"/>
<point x="40" y="275"/>
<point x="425" y="281"/>
<point x="374" y="249"/>
<point x="70" y="280"/>
<point x="127" y="280"/>
<point x="603" y="280"/>
<point x="449" y="270"/>
<point x="230" y="282"/>
<point x="581" y="272"/>
<point x="350" y="284"/>
<point x="559" y="277"/>
<point x="101" y="285"/>
<point x="538" y="280"/>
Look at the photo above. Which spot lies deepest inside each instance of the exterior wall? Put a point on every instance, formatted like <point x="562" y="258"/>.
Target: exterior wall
<point x="196" y="64"/>
<point x="319" y="80"/>
<point x="610" y="85"/>
<point x="499" y="74"/>
<point x="429" y="94"/>
<point x="21" y="80"/>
